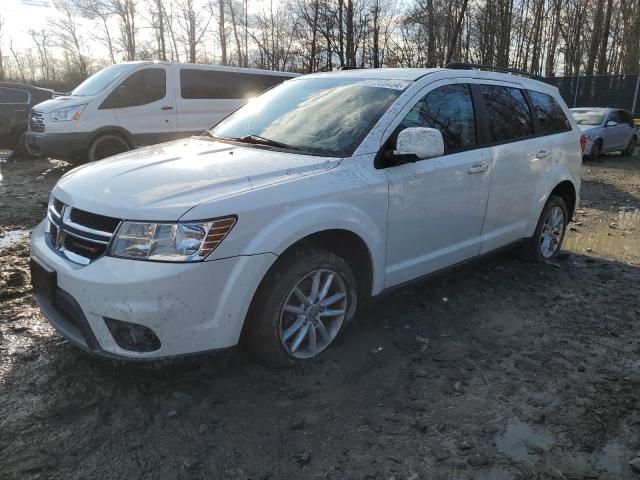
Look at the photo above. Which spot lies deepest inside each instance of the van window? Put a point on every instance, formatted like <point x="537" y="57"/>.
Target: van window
<point x="450" y="110"/>
<point x="202" y="84"/>
<point x="143" y="87"/>
<point x="12" y="95"/>
<point x="508" y="113"/>
<point x="551" y="117"/>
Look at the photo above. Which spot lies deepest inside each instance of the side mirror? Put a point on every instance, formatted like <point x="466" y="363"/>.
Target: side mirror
<point x="419" y="142"/>
<point x="611" y="123"/>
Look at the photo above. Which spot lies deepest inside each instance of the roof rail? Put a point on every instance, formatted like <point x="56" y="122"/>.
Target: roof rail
<point x="488" y="68"/>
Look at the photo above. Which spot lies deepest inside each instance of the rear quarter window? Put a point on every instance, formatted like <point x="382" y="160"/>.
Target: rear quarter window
<point x="209" y="84"/>
<point x="551" y="117"/>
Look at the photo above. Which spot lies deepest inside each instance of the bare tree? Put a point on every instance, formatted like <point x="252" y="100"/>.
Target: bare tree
<point x="69" y="38"/>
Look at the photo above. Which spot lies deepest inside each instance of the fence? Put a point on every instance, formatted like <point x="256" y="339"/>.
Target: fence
<point x="619" y="91"/>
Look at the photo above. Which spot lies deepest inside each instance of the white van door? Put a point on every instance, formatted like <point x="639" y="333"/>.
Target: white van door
<point x="144" y="105"/>
<point x="206" y="96"/>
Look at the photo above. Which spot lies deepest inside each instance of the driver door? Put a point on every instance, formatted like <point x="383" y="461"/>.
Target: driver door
<point x="437" y="205"/>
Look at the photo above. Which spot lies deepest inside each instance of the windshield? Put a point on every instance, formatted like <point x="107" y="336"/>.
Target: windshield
<point x="325" y="116"/>
<point x="101" y="80"/>
<point x="587" y="117"/>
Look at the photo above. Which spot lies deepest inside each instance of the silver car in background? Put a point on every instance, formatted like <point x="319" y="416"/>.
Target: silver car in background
<point x="606" y="130"/>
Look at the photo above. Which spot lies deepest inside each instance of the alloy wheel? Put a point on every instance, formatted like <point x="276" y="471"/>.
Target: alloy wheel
<point x="313" y="313"/>
<point x="552" y="231"/>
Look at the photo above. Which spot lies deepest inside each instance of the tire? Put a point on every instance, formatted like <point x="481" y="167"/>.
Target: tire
<point x="279" y="337"/>
<point x="595" y="151"/>
<point x="534" y="249"/>
<point x="106" y="146"/>
<point x="20" y="149"/>
<point x="631" y="147"/>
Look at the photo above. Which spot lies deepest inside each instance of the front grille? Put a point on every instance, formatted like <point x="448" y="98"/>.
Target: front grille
<point x="94" y="221"/>
<point x="79" y="235"/>
<point x="36" y="121"/>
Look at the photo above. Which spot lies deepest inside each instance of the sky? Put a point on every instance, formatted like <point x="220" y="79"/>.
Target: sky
<point x="22" y="15"/>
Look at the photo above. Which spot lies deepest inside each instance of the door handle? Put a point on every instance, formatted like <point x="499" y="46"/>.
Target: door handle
<point x="478" y="168"/>
<point x="541" y="154"/>
<point x="167" y="107"/>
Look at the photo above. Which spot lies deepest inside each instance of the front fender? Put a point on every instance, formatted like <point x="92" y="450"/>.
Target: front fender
<point x="291" y="226"/>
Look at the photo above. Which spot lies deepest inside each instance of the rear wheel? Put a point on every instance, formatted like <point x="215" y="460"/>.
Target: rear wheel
<point x="302" y="306"/>
<point x="631" y="147"/>
<point x="106" y="146"/>
<point x="552" y="226"/>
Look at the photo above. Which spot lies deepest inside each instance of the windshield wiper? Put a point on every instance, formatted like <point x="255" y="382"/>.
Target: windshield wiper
<point x="258" y="140"/>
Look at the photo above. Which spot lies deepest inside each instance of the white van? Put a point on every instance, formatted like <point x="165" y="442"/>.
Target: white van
<point x="133" y="104"/>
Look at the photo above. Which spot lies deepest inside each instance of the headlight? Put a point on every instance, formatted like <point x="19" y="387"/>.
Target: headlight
<point x="170" y="242"/>
<point x="66" y="114"/>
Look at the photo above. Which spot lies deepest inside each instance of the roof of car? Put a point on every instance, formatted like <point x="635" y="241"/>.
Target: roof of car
<point x="379" y="73"/>
<point x="211" y="66"/>
<point x="24" y="86"/>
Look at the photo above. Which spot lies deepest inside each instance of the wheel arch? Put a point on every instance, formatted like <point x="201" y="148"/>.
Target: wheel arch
<point x="112" y="130"/>
<point x="567" y="191"/>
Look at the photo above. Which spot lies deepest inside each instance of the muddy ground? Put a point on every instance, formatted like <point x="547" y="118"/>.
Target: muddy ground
<point x="503" y="370"/>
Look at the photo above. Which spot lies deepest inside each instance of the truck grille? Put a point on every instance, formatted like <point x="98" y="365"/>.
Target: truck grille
<point x="36" y="121"/>
<point x="80" y="236"/>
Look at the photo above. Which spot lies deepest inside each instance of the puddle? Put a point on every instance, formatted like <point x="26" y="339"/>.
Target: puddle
<point x="619" y="238"/>
<point x="519" y="439"/>
<point x="12" y="236"/>
<point x="611" y="459"/>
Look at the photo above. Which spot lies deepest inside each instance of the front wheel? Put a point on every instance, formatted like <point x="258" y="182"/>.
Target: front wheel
<point x="106" y="146"/>
<point x="552" y="226"/>
<point x="21" y="149"/>
<point x="304" y="303"/>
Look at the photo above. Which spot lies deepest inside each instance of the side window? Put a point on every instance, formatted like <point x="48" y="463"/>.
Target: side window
<point x="508" y="114"/>
<point x="202" y="84"/>
<point x="450" y="110"/>
<point x="614" y="116"/>
<point x="550" y="115"/>
<point x="143" y="87"/>
<point x="12" y="95"/>
<point x="626" y="118"/>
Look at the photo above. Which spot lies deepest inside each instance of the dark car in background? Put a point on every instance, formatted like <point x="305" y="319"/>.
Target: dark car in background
<point x="16" y="100"/>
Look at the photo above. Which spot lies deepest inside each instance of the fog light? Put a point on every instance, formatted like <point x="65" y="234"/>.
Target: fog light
<point x="133" y="337"/>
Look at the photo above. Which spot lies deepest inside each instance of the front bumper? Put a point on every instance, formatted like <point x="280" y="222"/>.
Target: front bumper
<point x="191" y="307"/>
<point x="65" y="146"/>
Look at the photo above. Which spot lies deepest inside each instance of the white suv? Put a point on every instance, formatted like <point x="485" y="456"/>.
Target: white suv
<point x="284" y="218"/>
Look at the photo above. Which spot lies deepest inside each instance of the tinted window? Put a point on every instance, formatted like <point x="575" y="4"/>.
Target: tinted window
<point x="614" y="116"/>
<point x="143" y="87"/>
<point x="508" y="113"/>
<point x="450" y="110"/>
<point x="551" y="117"/>
<point x="213" y="84"/>
<point x="12" y="95"/>
<point x="626" y="117"/>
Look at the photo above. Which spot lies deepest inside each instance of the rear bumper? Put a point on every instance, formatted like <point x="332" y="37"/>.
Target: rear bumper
<point x="65" y="146"/>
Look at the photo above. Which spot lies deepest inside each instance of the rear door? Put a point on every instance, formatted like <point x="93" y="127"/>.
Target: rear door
<point x="206" y="96"/>
<point x="519" y="161"/>
<point x="144" y="105"/>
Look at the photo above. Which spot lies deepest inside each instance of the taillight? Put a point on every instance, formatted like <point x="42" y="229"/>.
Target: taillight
<point x="583" y="142"/>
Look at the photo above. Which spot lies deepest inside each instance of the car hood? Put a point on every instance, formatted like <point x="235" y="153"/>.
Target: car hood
<point x="60" y="102"/>
<point x="586" y="128"/>
<point x="164" y="181"/>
